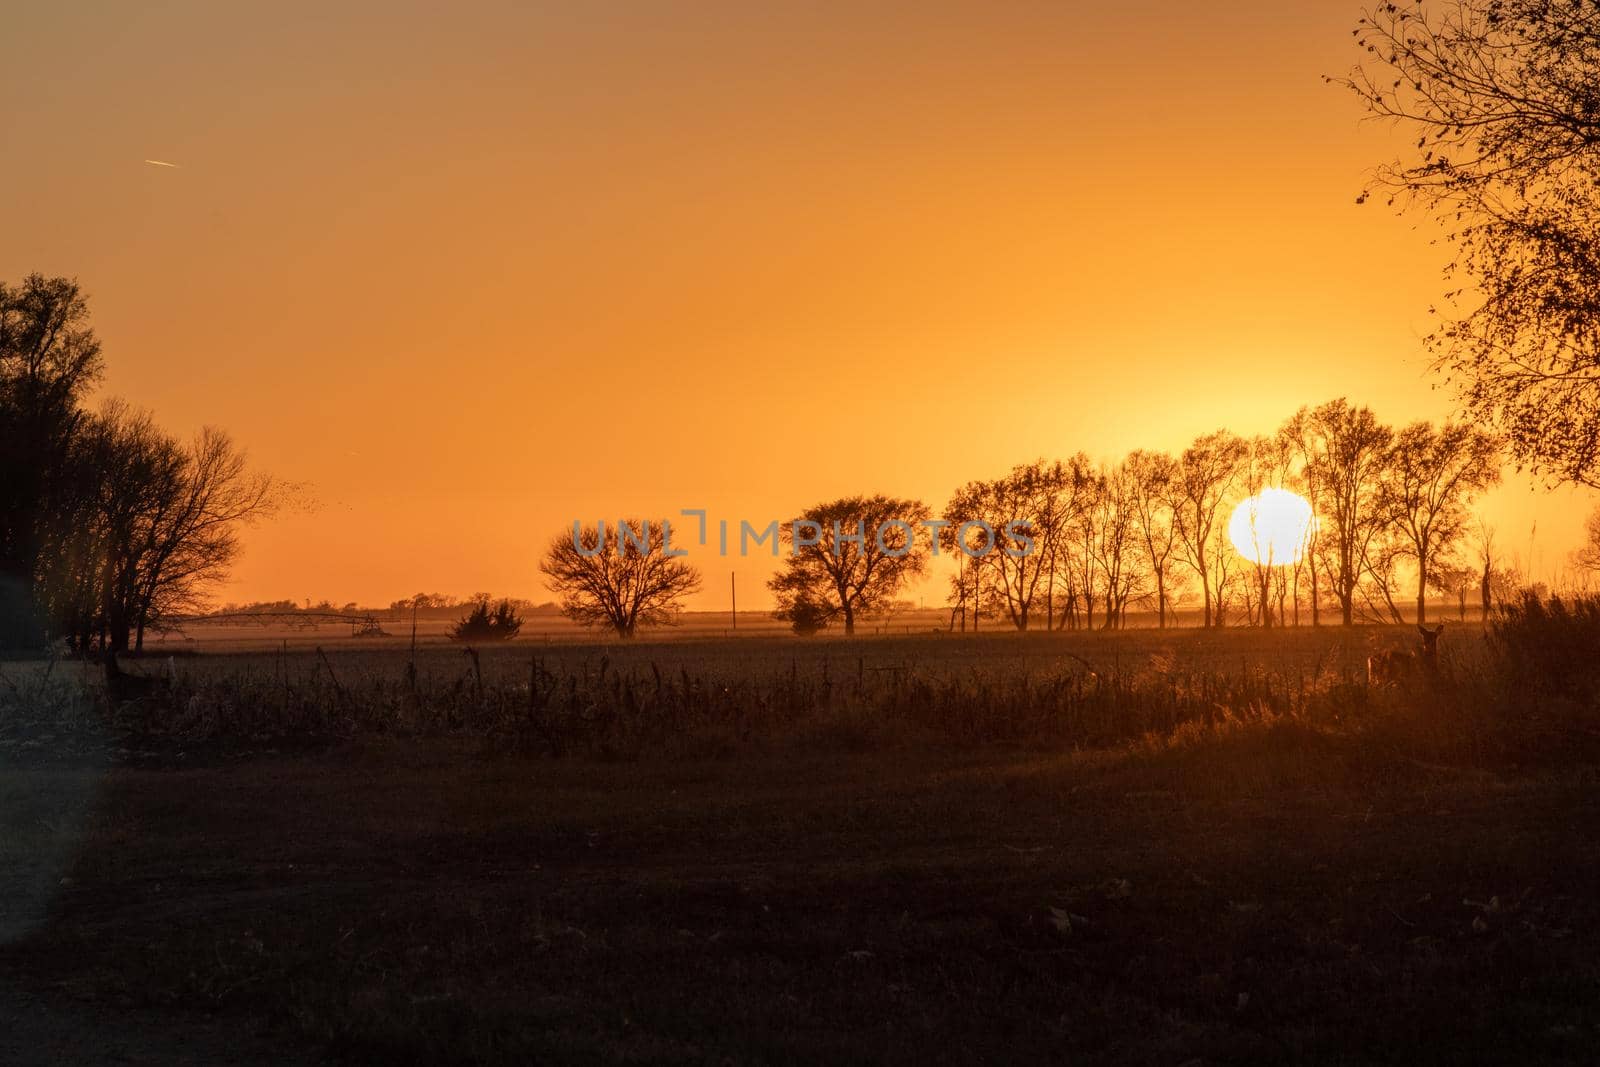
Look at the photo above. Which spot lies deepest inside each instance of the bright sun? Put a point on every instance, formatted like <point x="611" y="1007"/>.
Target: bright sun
<point x="1271" y="527"/>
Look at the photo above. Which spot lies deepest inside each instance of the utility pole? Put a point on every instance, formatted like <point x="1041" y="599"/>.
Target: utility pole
<point x="733" y="594"/>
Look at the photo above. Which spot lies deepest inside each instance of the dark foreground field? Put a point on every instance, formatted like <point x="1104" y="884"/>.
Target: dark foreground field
<point x="1260" y="893"/>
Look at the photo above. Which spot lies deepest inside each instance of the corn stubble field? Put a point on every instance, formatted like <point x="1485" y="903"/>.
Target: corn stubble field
<point x="1145" y="847"/>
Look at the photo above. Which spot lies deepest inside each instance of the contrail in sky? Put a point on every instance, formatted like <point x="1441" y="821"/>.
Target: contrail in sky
<point x="160" y="163"/>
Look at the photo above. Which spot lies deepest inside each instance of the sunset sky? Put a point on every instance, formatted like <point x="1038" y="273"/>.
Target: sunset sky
<point x="473" y="271"/>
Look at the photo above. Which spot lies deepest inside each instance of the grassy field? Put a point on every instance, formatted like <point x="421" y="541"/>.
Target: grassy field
<point x="1170" y="848"/>
<point x="545" y="628"/>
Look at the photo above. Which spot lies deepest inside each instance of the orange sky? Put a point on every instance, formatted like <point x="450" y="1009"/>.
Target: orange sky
<point x="475" y="271"/>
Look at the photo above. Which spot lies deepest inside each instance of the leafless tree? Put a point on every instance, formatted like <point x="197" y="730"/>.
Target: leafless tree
<point x="1488" y="560"/>
<point x="1587" y="557"/>
<point x="622" y="581"/>
<point x="1011" y="553"/>
<point x="1227" y="580"/>
<point x="189" y="540"/>
<point x="1348" y="450"/>
<point x="1115" y="550"/>
<point x="1285" y="473"/>
<point x="864" y="549"/>
<point x="1061" y="487"/>
<point x="1078" y="556"/>
<point x="972" y="594"/>
<point x="1153" y="499"/>
<point x="1500" y="98"/>
<point x="1074" y="489"/>
<point x="139" y="471"/>
<point x="1458" y="578"/>
<point x="168" y="519"/>
<point x="1380" y="584"/>
<point x="1028" y="512"/>
<point x="1207" y="475"/>
<point x="1266" y="464"/>
<point x="1301" y="441"/>
<point x="1432" y="478"/>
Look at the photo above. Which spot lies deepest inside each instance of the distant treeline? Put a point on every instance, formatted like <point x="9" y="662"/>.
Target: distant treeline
<point x="425" y="605"/>
<point x="1391" y="520"/>
<point x="1076" y="543"/>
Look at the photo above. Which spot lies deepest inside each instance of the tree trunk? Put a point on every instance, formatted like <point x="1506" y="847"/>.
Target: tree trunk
<point x="119" y="631"/>
<point x="16" y="604"/>
<point x="1050" y="600"/>
<point x="1316" y="595"/>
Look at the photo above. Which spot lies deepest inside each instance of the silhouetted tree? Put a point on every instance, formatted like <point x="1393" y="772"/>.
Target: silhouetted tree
<point x="1025" y="511"/>
<point x="487" y="621"/>
<point x="1432" y="478"/>
<point x="1458" y="578"/>
<point x="973" y="595"/>
<point x="1083" y="530"/>
<point x="1500" y="97"/>
<point x="1114" y="549"/>
<point x="1304" y="443"/>
<point x="622" y="582"/>
<point x="1488" y="560"/>
<point x="49" y="358"/>
<point x="1066" y="488"/>
<point x="189" y="537"/>
<point x="1384" y="556"/>
<point x="857" y="560"/>
<point x="1265" y="466"/>
<point x="140" y="478"/>
<point x="1587" y="557"/>
<point x="68" y="578"/>
<point x="1152" y="497"/>
<point x="1206" y="477"/>
<point x="1348" y="451"/>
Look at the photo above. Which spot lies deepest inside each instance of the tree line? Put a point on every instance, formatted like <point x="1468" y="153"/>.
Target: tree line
<point x="109" y="525"/>
<point x="1385" y="504"/>
<point x="1075" y="544"/>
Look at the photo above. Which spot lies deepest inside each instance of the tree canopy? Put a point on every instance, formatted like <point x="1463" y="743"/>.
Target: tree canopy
<point x="1503" y="100"/>
<point x="621" y="582"/>
<point x="849" y="557"/>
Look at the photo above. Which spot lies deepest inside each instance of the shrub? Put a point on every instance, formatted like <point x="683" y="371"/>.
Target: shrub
<point x="1549" y="647"/>
<point x="806" y="617"/>
<point x="488" y="622"/>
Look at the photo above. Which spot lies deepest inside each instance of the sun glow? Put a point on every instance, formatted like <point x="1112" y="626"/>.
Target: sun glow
<point x="1272" y="527"/>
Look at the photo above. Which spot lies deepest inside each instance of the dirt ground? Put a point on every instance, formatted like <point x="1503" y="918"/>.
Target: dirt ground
<point x="50" y="1030"/>
<point x="1261" y="898"/>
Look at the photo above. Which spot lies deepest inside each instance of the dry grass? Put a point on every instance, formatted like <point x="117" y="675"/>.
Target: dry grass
<point x="1491" y="701"/>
